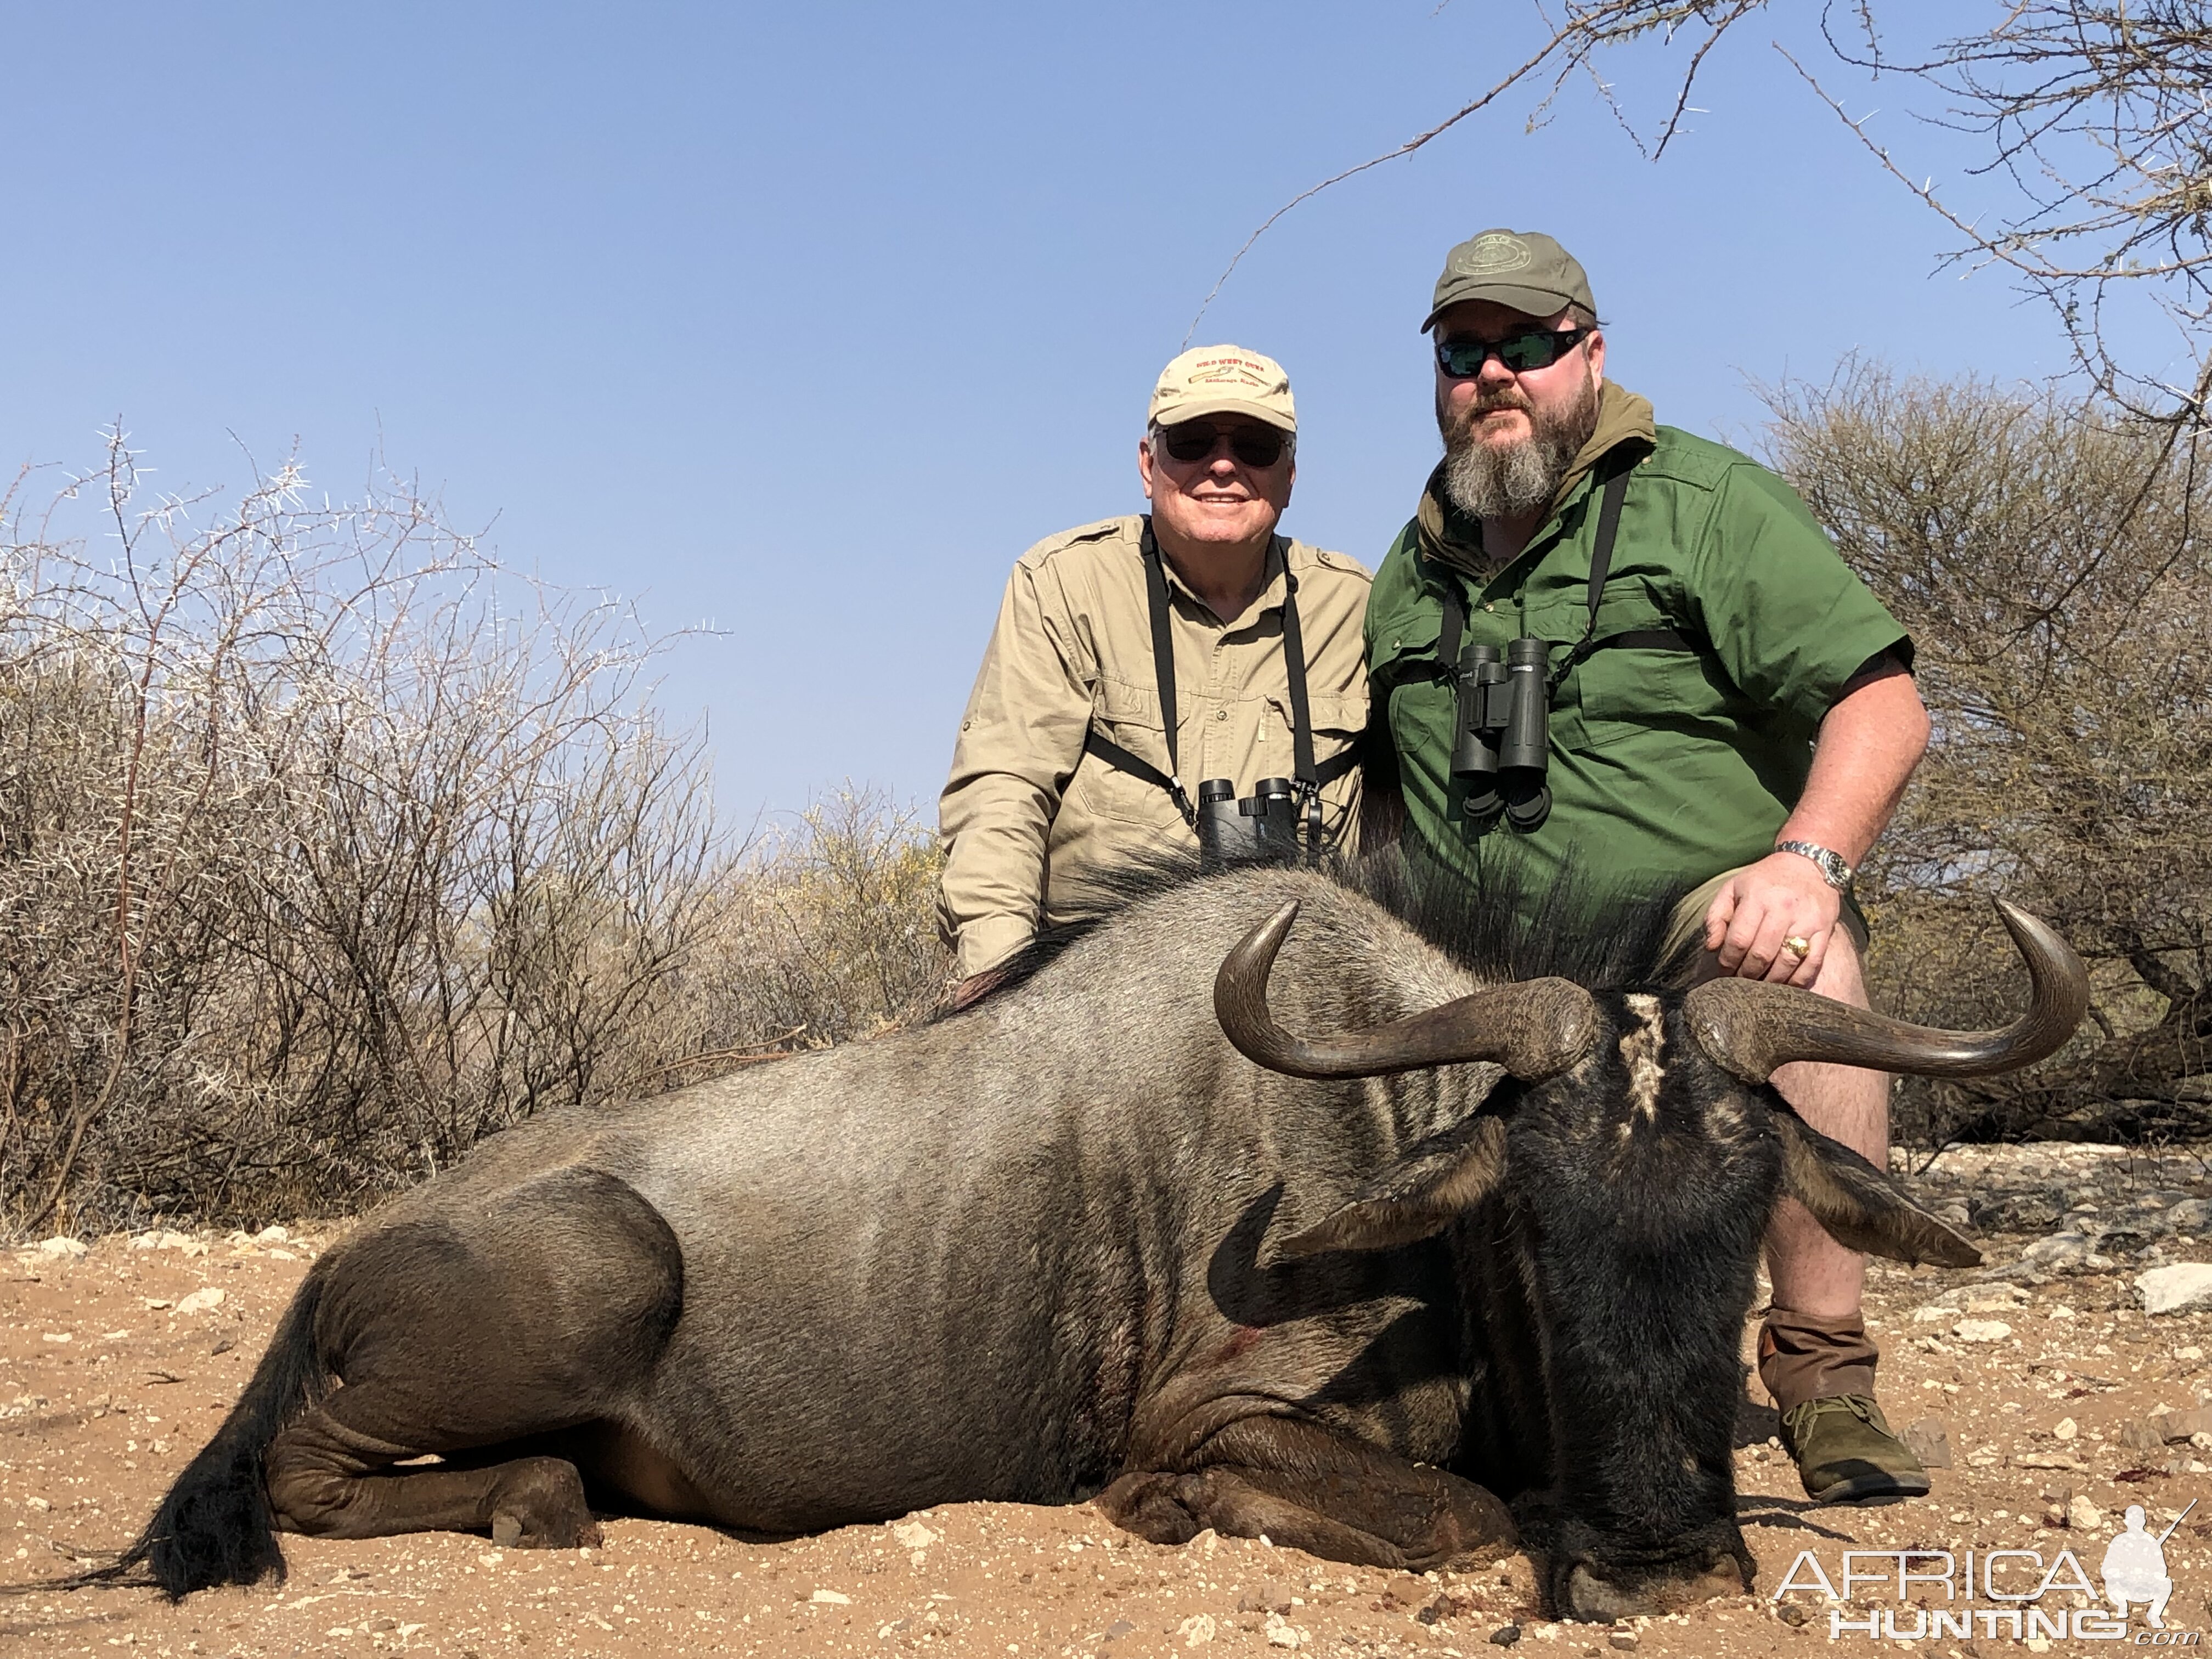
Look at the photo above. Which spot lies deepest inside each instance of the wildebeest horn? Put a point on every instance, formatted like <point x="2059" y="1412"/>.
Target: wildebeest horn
<point x="1534" y="1029"/>
<point x="1749" y="1027"/>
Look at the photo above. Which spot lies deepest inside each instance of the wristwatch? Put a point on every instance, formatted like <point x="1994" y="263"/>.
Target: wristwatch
<point x="1832" y="867"/>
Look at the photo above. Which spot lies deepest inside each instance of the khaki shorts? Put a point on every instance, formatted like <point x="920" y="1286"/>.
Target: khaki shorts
<point x="1685" y="933"/>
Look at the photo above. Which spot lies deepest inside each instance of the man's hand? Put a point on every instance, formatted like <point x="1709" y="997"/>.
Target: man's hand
<point x="1783" y="896"/>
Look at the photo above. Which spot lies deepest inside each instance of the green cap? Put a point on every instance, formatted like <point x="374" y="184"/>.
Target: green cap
<point x="1523" y="269"/>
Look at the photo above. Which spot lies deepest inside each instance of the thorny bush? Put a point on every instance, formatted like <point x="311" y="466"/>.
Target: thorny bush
<point x="327" y="848"/>
<point x="2048" y="557"/>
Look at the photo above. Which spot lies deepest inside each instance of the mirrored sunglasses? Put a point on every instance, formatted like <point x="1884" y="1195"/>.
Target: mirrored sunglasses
<point x="1535" y="348"/>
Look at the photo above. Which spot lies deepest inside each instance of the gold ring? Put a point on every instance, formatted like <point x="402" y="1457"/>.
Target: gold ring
<point x="1798" y="945"/>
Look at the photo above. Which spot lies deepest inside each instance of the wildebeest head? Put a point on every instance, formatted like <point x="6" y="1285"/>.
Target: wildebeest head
<point x="1612" y="1198"/>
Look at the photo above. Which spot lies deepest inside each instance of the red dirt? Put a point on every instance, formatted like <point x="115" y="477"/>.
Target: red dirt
<point x="106" y="1388"/>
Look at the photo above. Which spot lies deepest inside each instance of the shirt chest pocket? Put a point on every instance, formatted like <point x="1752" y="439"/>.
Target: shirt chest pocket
<point x="1628" y="689"/>
<point x="1128" y="716"/>
<point x="1337" y="723"/>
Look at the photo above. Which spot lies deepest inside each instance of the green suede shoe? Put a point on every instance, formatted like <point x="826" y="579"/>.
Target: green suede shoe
<point x="1846" y="1453"/>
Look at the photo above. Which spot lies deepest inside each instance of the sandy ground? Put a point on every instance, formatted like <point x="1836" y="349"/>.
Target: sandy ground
<point x="114" y="1367"/>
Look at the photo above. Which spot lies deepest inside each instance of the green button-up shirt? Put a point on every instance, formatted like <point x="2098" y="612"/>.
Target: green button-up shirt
<point x="1667" y="766"/>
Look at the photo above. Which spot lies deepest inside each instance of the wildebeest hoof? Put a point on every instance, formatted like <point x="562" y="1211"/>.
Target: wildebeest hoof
<point x="1600" y="1601"/>
<point x="510" y="1532"/>
<point x="540" y="1505"/>
<point x="1148" y="1505"/>
<point x="1483" y="1526"/>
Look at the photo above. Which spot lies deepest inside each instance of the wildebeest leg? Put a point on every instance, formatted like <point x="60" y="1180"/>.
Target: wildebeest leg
<point x="544" y="1311"/>
<point x="1308" y="1486"/>
<point x="330" y="1477"/>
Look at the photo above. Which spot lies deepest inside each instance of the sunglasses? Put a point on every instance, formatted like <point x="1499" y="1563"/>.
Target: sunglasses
<point x="1196" y="441"/>
<point x="1538" y="348"/>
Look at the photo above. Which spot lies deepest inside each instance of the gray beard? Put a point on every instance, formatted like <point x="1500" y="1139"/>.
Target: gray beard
<point x="1487" y="482"/>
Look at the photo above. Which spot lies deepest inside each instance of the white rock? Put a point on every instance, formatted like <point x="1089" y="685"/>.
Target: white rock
<point x="200" y="1300"/>
<point x="162" y="1239"/>
<point x="1283" y="1634"/>
<point x="2193" y="1215"/>
<point x="913" y="1534"/>
<point x="272" y="1236"/>
<point x="2066" y="1429"/>
<point x="1981" y="1330"/>
<point x="831" y="1598"/>
<point x="2057" y="1252"/>
<point x="61" y="1245"/>
<point x="2168" y="1289"/>
<point x="2082" y="1516"/>
<point x="1994" y="1298"/>
<point x="1197" y="1629"/>
<point x="1933" y="1313"/>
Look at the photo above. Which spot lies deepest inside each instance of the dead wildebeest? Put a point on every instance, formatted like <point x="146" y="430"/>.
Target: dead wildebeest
<point x="1073" y="1243"/>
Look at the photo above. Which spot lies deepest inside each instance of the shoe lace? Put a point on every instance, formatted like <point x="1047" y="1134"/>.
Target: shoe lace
<point x="1799" y="1418"/>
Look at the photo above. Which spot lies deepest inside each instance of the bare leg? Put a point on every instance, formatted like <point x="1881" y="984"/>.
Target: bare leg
<point x="1812" y="1274"/>
<point x="1308" y="1487"/>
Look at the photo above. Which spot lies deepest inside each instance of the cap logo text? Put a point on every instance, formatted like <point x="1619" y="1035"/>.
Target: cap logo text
<point x="1494" y="252"/>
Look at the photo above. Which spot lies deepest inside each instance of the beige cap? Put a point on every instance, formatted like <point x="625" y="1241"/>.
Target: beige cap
<point x="1223" y="379"/>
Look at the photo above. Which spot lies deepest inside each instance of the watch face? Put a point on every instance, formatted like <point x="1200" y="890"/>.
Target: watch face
<point x="1831" y="865"/>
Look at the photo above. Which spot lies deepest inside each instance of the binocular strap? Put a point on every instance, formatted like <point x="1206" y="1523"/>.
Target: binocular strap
<point x="1308" y="777"/>
<point x="1608" y="526"/>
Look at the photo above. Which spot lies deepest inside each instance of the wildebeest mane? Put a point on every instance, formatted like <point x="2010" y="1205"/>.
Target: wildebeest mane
<point x="1577" y="926"/>
<point x="1145" y="876"/>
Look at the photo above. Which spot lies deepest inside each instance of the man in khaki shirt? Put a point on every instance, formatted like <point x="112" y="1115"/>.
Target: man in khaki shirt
<point x="1036" y="810"/>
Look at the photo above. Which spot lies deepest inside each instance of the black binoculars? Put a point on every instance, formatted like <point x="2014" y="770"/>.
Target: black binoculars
<point x="1503" y="744"/>
<point x="1262" y="828"/>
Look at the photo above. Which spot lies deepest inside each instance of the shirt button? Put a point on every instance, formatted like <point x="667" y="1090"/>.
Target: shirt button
<point x="1489" y="604"/>
<point x="1221" y="713"/>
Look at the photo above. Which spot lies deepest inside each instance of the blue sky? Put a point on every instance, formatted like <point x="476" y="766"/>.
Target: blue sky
<point x="802" y="322"/>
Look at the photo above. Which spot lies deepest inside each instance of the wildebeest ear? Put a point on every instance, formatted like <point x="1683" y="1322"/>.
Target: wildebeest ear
<point x="1438" y="1179"/>
<point x="1860" y="1206"/>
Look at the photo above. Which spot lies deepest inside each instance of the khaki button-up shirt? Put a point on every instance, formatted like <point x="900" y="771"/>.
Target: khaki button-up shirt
<point x="1030" y="819"/>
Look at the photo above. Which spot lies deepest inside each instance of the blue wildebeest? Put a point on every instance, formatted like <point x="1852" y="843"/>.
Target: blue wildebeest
<point x="1488" y="1237"/>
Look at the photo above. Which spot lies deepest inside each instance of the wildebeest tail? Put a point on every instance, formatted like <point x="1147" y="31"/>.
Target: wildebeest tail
<point x="214" y="1525"/>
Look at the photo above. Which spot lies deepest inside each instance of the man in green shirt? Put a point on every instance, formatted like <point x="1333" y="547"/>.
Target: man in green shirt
<point x="1730" y="711"/>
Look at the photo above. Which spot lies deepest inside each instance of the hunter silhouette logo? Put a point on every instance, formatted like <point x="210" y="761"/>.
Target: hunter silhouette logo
<point x="2135" y="1567"/>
